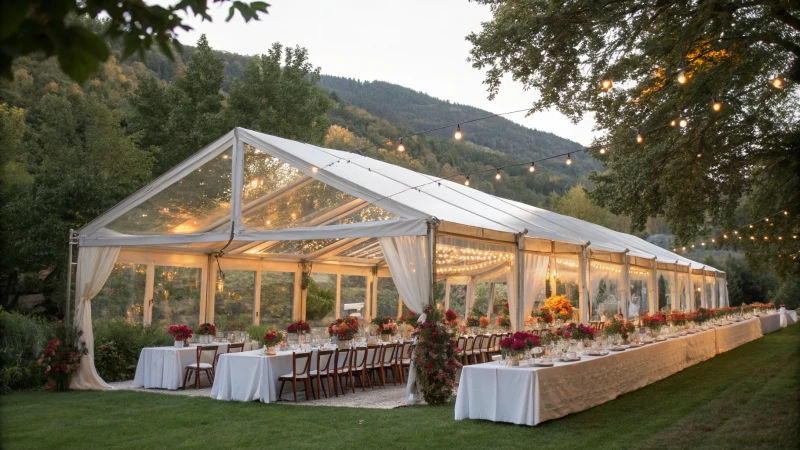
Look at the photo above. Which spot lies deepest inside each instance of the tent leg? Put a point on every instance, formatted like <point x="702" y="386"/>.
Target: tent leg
<point x="69" y="276"/>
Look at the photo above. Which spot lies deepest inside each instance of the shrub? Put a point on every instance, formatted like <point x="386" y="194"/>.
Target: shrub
<point x="117" y="345"/>
<point x="23" y="340"/>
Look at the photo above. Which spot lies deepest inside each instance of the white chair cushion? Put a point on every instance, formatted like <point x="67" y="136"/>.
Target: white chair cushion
<point x="201" y="366"/>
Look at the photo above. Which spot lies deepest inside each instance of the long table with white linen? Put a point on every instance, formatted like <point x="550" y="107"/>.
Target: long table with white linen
<point x="770" y="323"/>
<point x="252" y="375"/>
<point x="530" y="395"/>
<point x="163" y="367"/>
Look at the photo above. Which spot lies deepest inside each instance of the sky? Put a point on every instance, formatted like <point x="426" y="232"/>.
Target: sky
<point x="417" y="44"/>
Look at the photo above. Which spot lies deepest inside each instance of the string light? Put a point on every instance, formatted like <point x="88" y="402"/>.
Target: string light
<point x="682" y="77"/>
<point x="466" y="182"/>
<point x="639" y="137"/>
<point x="673" y="122"/>
<point x="603" y="150"/>
<point x="314" y="169"/>
<point x="400" y="146"/>
<point x="716" y="105"/>
<point x="532" y="168"/>
<point x="682" y="122"/>
<point x="777" y="83"/>
<point x="606" y="84"/>
<point x="497" y="175"/>
<point x="458" y="134"/>
<point x="569" y="160"/>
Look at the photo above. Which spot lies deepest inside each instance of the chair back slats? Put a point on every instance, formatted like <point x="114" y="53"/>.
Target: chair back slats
<point x="359" y="358"/>
<point x="342" y="358"/>
<point x="485" y="342"/>
<point x="207" y="350"/>
<point x="237" y="347"/>
<point x="470" y="343"/>
<point x="408" y="349"/>
<point x="476" y="345"/>
<point x="389" y="353"/>
<point x="324" y="358"/>
<point x="301" y="362"/>
<point x="376" y="356"/>
<point x="461" y="343"/>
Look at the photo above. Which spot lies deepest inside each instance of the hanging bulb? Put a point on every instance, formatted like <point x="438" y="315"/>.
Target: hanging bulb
<point x="569" y="160"/>
<point x="532" y="168"/>
<point x="220" y="282"/>
<point x="716" y="105"/>
<point x="314" y="169"/>
<point x="400" y="146"/>
<point x="466" y="182"/>
<point x="497" y="175"/>
<point x="786" y="213"/>
<point x="673" y="122"/>
<point x="639" y="137"/>
<point x="603" y="150"/>
<point x="777" y="83"/>
<point x="682" y="122"/>
<point x="458" y="134"/>
<point x="682" y="77"/>
<point x="606" y="84"/>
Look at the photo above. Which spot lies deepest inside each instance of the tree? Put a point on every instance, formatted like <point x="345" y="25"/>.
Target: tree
<point x="52" y="27"/>
<point x="666" y="60"/>
<point x="279" y="95"/>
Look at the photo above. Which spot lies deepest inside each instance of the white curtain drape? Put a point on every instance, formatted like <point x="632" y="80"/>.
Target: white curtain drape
<point x="609" y="302"/>
<point x="470" y="293"/>
<point x="407" y="258"/>
<point x="94" y="267"/>
<point x="512" y="294"/>
<point x="535" y="270"/>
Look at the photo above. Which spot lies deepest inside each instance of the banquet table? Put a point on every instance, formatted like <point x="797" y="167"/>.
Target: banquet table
<point x="163" y="367"/>
<point x="770" y="323"/>
<point x="738" y="333"/>
<point x="527" y="395"/>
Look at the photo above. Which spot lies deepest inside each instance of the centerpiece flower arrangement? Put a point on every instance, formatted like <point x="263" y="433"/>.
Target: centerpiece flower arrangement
<point x="451" y="318"/>
<point x="205" y="330"/>
<point x="578" y="332"/>
<point x="701" y="316"/>
<point x="678" y="318"/>
<point x="504" y="320"/>
<point x="517" y="345"/>
<point x="653" y="322"/>
<point x="559" y="306"/>
<point x="483" y="322"/>
<point x="544" y="316"/>
<point x="272" y="339"/>
<point x="181" y="333"/>
<point x="60" y="360"/>
<point x="435" y="362"/>
<point x="299" y="327"/>
<point x="385" y="326"/>
<point x="409" y="318"/>
<point x="344" y="330"/>
<point x="618" y="325"/>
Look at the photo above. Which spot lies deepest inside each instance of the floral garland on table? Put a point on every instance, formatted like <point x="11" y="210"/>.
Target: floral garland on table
<point x="653" y="322"/>
<point x="180" y="332"/>
<point x="207" y="328"/>
<point x="60" y="360"/>
<point x="273" y="338"/>
<point x="618" y="325"/>
<point x="519" y="343"/>
<point x="385" y="325"/>
<point x="435" y="362"/>
<point x="559" y="306"/>
<point x="299" y="327"/>
<point x="344" y="329"/>
<point x="702" y="315"/>
<point x="579" y="332"/>
<point x="678" y="318"/>
<point x="451" y="318"/>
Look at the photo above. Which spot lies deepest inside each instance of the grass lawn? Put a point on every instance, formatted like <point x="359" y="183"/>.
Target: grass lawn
<point x="746" y="398"/>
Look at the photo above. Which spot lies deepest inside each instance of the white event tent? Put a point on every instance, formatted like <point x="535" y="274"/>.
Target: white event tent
<point x="255" y="202"/>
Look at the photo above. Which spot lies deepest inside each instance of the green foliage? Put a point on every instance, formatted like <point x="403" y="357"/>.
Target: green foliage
<point x="23" y="340"/>
<point x="320" y="302"/>
<point x="576" y="203"/>
<point x="435" y="359"/>
<point x="52" y="28"/>
<point x="117" y="345"/>
<point x="695" y="177"/>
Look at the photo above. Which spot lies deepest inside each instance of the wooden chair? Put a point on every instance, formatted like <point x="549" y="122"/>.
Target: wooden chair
<point x="358" y="368"/>
<point x="197" y="367"/>
<point x="483" y="352"/>
<point x="597" y="325"/>
<point x="324" y="358"/>
<point x="404" y="359"/>
<point x="494" y="341"/>
<point x="468" y="350"/>
<point x="374" y="362"/>
<point x="232" y="348"/>
<point x="341" y="367"/>
<point x="461" y="343"/>
<point x="301" y="362"/>
<point x="475" y="351"/>
<point x="388" y="362"/>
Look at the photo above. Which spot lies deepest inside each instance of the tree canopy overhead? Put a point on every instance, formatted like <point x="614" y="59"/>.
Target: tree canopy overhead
<point x="666" y="60"/>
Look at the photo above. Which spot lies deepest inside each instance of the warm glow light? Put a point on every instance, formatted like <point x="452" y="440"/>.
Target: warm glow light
<point x="673" y="122"/>
<point x="725" y="236"/>
<point x="497" y="175"/>
<point x="315" y="169"/>
<point x="603" y="150"/>
<point x="716" y="105"/>
<point x="639" y="137"/>
<point x="606" y="84"/>
<point x="699" y="155"/>
<point x="683" y="122"/>
<point x="682" y="77"/>
<point x="751" y="225"/>
<point x="458" y="134"/>
<point x="466" y="182"/>
<point x="569" y="160"/>
<point x="400" y="146"/>
<point x="532" y="168"/>
<point x="777" y="83"/>
<point x="220" y="283"/>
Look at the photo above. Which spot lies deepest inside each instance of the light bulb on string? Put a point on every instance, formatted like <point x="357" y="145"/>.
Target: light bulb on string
<point x="458" y="134"/>
<point x="569" y="160"/>
<point x="777" y="83"/>
<point x="606" y="84"/>
<point x="603" y="150"/>
<point x="466" y="182"/>
<point x="497" y="176"/>
<point x="400" y="146"/>
<point x="682" y="77"/>
<point x="673" y="122"/>
<point x="314" y="169"/>
<point x="682" y="122"/>
<point x="716" y="105"/>
<point x="639" y="137"/>
<point x="532" y="168"/>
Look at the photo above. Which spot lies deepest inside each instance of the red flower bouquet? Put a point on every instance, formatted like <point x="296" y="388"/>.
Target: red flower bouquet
<point x="435" y="362"/>
<point x="451" y="318"/>
<point x="653" y="322"/>
<point x="618" y="325"/>
<point x="59" y="361"/>
<point x="273" y="338"/>
<point x="483" y="322"/>
<point x="344" y="329"/>
<point x="409" y="318"/>
<point x="180" y="332"/>
<point x="504" y="321"/>
<point x="678" y="318"/>
<point x="519" y="343"/>
<point x="385" y="325"/>
<point x="299" y="327"/>
<point x="207" y="328"/>
<point x="579" y="332"/>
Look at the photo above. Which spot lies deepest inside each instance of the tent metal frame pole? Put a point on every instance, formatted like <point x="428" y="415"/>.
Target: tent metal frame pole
<point x="71" y="242"/>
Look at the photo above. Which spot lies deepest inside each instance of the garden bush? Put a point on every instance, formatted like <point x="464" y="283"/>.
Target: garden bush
<point x="22" y="340"/>
<point x="117" y="345"/>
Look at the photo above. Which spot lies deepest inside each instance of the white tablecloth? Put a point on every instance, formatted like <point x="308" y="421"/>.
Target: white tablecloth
<point x="250" y="376"/>
<point x="788" y="317"/>
<point x="530" y="395"/>
<point x="736" y="334"/>
<point x="163" y="367"/>
<point x="770" y="323"/>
